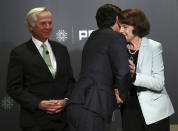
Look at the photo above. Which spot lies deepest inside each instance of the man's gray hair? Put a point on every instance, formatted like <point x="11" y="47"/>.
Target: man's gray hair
<point x="31" y="15"/>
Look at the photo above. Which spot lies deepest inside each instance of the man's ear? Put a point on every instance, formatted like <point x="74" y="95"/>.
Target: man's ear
<point x="117" y="19"/>
<point x="30" y="27"/>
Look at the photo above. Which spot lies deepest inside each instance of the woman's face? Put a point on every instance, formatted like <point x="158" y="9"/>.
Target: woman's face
<point x="127" y="31"/>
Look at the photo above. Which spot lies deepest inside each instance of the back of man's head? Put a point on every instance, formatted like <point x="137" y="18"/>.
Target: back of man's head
<point x="106" y="15"/>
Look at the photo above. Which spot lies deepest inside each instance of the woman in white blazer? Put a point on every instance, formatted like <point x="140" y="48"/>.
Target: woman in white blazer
<point x="148" y="106"/>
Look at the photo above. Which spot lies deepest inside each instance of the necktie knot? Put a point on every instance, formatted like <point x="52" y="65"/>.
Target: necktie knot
<point x="44" y="46"/>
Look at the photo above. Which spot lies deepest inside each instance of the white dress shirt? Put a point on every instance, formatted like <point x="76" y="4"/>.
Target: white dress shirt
<point x="40" y="49"/>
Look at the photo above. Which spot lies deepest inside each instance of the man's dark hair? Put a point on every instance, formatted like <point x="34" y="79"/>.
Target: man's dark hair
<point x="106" y="15"/>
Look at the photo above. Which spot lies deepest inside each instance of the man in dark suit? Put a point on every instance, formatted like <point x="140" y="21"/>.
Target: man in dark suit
<point x="104" y="67"/>
<point x="40" y="76"/>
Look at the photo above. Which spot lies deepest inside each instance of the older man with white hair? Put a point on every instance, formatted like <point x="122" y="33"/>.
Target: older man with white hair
<point x="40" y="76"/>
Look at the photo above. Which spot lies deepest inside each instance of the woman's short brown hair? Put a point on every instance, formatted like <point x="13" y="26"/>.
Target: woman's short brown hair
<point x="137" y="19"/>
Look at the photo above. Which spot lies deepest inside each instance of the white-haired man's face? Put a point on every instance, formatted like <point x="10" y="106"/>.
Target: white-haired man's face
<point x="42" y="26"/>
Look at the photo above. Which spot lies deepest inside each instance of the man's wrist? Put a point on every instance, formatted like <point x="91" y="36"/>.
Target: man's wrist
<point x="66" y="101"/>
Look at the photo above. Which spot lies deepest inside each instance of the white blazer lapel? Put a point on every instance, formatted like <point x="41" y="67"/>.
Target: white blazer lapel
<point x="142" y="50"/>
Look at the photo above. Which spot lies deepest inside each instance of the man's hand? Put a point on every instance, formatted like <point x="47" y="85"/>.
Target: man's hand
<point x="61" y="104"/>
<point x="52" y="106"/>
<point x="118" y="99"/>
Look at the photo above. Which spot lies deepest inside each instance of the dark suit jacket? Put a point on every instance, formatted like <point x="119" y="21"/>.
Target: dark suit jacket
<point x="104" y="65"/>
<point x="29" y="81"/>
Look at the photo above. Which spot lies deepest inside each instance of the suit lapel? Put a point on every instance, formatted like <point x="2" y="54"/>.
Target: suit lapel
<point x="57" y="55"/>
<point x="142" y="51"/>
<point x="37" y="58"/>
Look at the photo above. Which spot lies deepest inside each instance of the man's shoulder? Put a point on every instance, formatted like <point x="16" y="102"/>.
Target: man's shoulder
<point x="57" y="44"/>
<point x="108" y="32"/>
<point x="21" y="46"/>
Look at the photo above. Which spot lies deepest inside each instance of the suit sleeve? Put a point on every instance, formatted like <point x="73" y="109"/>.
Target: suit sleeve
<point x="71" y="80"/>
<point x="119" y="62"/>
<point x="155" y="81"/>
<point x="15" y="84"/>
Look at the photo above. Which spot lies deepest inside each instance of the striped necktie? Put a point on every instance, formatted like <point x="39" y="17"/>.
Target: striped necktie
<point x="47" y="59"/>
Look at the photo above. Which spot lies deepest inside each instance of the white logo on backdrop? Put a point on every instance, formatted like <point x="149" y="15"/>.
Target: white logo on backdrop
<point x="6" y="103"/>
<point x="83" y="34"/>
<point x="61" y="35"/>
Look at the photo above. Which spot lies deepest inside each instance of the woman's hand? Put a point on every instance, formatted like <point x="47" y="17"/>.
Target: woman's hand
<point x="132" y="67"/>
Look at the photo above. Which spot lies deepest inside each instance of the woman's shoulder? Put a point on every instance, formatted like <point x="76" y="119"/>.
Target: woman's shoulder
<point x="151" y="42"/>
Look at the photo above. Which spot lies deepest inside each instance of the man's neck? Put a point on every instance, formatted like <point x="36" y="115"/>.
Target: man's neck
<point x="40" y="39"/>
<point x="115" y="28"/>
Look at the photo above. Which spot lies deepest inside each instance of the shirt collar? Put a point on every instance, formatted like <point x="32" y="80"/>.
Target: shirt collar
<point x="39" y="43"/>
